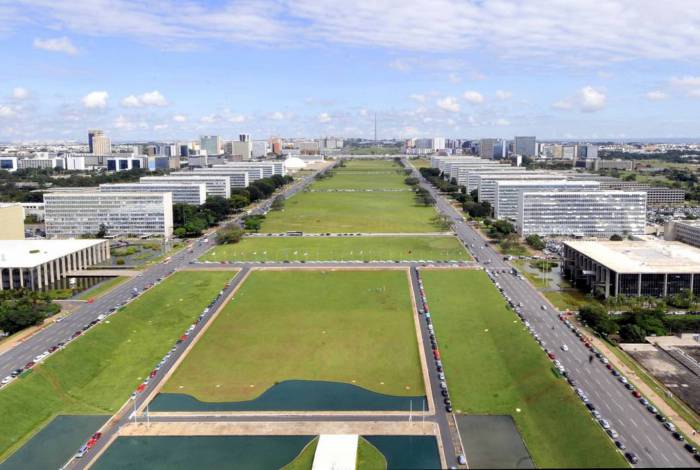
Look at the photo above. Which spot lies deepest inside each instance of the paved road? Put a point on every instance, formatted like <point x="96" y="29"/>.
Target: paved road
<point x="26" y="351"/>
<point x="638" y="429"/>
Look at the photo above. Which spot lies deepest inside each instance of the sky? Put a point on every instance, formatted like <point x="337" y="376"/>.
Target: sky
<point x="175" y="70"/>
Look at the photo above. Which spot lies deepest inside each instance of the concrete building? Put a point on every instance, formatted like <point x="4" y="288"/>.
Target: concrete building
<point x="98" y="143"/>
<point x="75" y="214"/>
<point x="215" y="185"/>
<point x="656" y="195"/>
<point x="470" y="177"/>
<point x="8" y="163"/>
<point x="597" y="164"/>
<point x="656" y="268"/>
<point x="126" y="163"/>
<point x="48" y="162"/>
<point x="525" y="146"/>
<point x="261" y="148"/>
<point x="237" y="178"/>
<point x="581" y="213"/>
<point x="487" y="182"/>
<point x="12" y="226"/>
<point x="183" y="192"/>
<point x="508" y="193"/>
<point x="37" y="264"/>
<point x="239" y="150"/>
<point x="211" y="144"/>
<point x="683" y="231"/>
<point x="486" y="148"/>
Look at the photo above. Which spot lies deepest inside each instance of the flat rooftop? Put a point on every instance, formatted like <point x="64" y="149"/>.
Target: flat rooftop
<point x="641" y="256"/>
<point x="31" y="253"/>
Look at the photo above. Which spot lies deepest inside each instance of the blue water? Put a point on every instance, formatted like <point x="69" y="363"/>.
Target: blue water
<point x="407" y="452"/>
<point x="296" y="395"/>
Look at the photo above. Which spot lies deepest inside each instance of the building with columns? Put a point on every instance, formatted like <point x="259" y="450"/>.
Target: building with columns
<point x="633" y="268"/>
<point x="37" y="264"/>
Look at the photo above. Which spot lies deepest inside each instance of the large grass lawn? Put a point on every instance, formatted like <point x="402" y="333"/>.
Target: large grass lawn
<point x="348" y="179"/>
<point x="102" y="288"/>
<point x="340" y="248"/>
<point x="369" y="165"/>
<point x="341" y="326"/>
<point x="96" y="373"/>
<point x="493" y="366"/>
<point x="352" y="212"/>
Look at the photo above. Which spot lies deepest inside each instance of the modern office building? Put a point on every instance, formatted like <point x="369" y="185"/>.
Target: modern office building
<point x="267" y="169"/>
<point x="239" y="149"/>
<point x="8" y="163"/>
<point x="37" y="264"/>
<point x="486" y="148"/>
<point x="126" y="163"/>
<point x="487" y="182"/>
<point x="597" y="164"/>
<point x="683" y="231"/>
<point x="508" y="193"/>
<point x="525" y="146"/>
<point x="80" y="213"/>
<point x="656" y="195"/>
<point x="581" y="213"/>
<point x="98" y="143"/>
<point x="469" y="177"/>
<point x="215" y="185"/>
<point x="183" y="192"/>
<point x="12" y="217"/>
<point x="211" y="144"/>
<point x="49" y="162"/>
<point x="237" y="178"/>
<point x="656" y="268"/>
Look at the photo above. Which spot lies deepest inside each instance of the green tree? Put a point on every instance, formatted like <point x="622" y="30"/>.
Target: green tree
<point x="597" y="317"/>
<point x="616" y="238"/>
<point x="229" y="235"/>
<point x="535" y="241"/>
<point x="102" y="232"/>
<point x="277" y="203"/>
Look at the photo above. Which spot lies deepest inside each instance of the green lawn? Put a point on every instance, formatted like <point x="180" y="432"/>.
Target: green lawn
<point x="420" y="162"/>
<point x="569" y="299"/>
<point x="341" y="326"/>
<point x="363" y="180"/>
<point x="305" y="459"/>
<point x="493" y="366"/>
<point x="101" y="288"/>
<point x="352" y="212"/>
<point x="340" y="248"/>
<point x="369" y="457"/>
<point x="96" y="373"/>
<point x="369" y="165"/>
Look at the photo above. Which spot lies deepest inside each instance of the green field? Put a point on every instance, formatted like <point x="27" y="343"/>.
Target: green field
<point x="101" y="288"/>
<point x="493" y="366"/>
<point x="362" y="180"/>
<point x="352" y="212"/>
<point x="369" y="457"/>
<point x="340" y="249"/>
<point x="96" y="373"/>
<point x="305" y="459"/>
<point x="340" y="326"/>
<point x="369" y="165"/>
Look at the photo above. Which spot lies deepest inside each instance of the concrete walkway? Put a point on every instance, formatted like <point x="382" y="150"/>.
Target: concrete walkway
<point x="336" y="452"/>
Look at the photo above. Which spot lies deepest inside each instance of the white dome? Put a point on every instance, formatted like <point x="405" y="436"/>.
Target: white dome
<point x="294" y="163"/>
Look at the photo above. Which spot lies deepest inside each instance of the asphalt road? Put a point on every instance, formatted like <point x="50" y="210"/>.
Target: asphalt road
<point x="639" y="430"/>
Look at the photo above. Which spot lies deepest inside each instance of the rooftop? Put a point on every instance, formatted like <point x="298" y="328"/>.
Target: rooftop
<point x="641" y="256"/>
<point x="30" y="253"/>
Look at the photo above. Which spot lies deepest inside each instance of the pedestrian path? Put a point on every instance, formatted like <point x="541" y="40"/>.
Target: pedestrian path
<point x="336" y="452"/>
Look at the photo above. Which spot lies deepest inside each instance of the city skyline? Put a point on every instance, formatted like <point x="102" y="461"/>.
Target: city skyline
<point x="621" y="70"/>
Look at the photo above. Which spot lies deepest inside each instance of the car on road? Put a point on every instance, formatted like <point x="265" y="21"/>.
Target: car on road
<point x="81" y="452"/>
<point x="461" y="459"/>
<point x="612" y="433"/>
<point x="677" y="436"/>
<point x="564" y="347"/>
<point x="544" y="307"/>
<point x="620" y="445"/>
<point x="690" y="448"/>
<point x="604" y="423"/>
<point x="632" y="457"/>
<point x="29" y="365"/>
<point x="6" y="380"/>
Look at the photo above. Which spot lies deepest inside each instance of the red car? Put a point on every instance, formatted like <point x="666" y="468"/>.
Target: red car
<point x="436" y="353"/>
<point x="97" y="435"/>
<point x="91" y="443"/>
<point x="551" y="356"/>
<point x="153" y="373"/>
<point x="141" y="388"/>
<point x="183" y="337"/>
<point x="609" y="366"/>
<point x="29" y="365"/>
<point x="636" y="394"/>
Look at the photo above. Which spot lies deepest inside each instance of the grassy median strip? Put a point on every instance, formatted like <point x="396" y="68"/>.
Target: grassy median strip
<point x="493" y="366"/>
<point x="103" y="287"/>
<point x="360" y="181"/>
<point x="341" y="326"/>
<point x="96" y="373"/>
<point x="363" y="248"/>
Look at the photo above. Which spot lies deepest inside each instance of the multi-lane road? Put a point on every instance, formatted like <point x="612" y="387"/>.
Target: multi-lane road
<point x="639" y="430"/>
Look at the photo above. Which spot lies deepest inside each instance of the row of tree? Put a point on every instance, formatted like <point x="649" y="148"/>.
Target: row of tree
<point x="21" y="308"/>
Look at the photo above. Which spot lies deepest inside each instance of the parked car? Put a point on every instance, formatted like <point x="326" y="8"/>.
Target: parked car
<point x="632" y="457"/>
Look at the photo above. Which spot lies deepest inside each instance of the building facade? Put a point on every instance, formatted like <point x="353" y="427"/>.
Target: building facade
<point x="215" y="185"/>
<point x="183" y="192"/>
<point x="211" y="144"/>
<point x="525" y="146"/>
<point x="581" y="213"/>
<point x="12" y="217"/>
<point x="508" y="193"/>
<point x="75" y="214"/>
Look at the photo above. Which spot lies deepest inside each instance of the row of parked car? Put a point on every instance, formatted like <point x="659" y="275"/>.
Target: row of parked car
<point x="626" y="383"/>
<point x="154" y="372"/>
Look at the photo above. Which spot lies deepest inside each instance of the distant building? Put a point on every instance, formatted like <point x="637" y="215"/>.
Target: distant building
<point x="508" y="193"/>
<point x="183" y="192"/>
<point x="98" y="143"/>
<point x="8" y="163"/>
<point x="211" y="144"/>
<point x="486" y="148"/>
<point x="39" y="264"/>
<point x="49" y="163"/>
<point x="239" y="150"/>
<point x="581" y="213"/>
<point x="597" y="164"/>
<point x="526" y="146"/>
<point x="656" y="195"/>
<point x="12" y="226"/>
<point x="215" y="185"/>
<point x="126" y="163"/>
<point x="683" y="231"/>
<point x="75" y="214"/>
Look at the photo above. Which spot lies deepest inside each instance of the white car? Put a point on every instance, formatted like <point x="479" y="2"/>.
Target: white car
<point x="564" y="347"/>
<point x="6" y="380"/>
<point x="544" y="307"/>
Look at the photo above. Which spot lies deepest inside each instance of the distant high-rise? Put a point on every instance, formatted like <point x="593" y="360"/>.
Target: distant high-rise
<point x="98" y="143"/>
<point x="212" y="144"/>
<point x="525" y="146"/>
<point x="486" y="148"/>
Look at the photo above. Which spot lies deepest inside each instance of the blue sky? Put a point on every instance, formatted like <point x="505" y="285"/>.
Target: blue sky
<point x="170" y="69"/>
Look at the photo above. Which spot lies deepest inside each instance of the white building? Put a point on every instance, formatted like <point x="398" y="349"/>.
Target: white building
<point x="508" y="193"/>
<point x="48" y="162"/>
<point x="36" y="264"/>
<point x="260" y="148"/>
<point x="183" y="192"/>
<point x="8" y="163"/>
<point x="237" y="178"/>
<point x="211" y="145"/>
<point x="75" y="214"/>
<point x="487" y="182"/>
<point x="581" y="213"/>
<point x="215" y="185"/>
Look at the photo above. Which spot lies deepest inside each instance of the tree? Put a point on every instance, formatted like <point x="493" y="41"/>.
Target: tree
<point x="597" y="317"/>
<point x="238" y="201"/>
<point x="277" y="203"/>
<point x="474" y="194"/>
<point x="218" y="206"/>
<point x="229" y="235"/>
<point x="253" y="222"/>
<point x="535" y="241"/>
<point x="102" y="232"/>
<point x="411" y="181"/>
<point x="616" y="238"/>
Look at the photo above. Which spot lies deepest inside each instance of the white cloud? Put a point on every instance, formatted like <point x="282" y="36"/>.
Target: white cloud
<point x="150" y="98"/>
<point x="473" y="97"/>
<point x="20" y="93"/>
<point x="656" y="95"/>
<point x="503" y="94"/>
<point x="121" y="122"/>
<point x="209" y="119"/>
<point x="62" y="44"/>
<point x="236" y="119"/>
<point x="690" y="85"/>
<point x="277" y="116"/>
<point x="448" y="103"/>
<point x="6" y="111"/>
<point x="160" y="127"/>
<point x="591" y="99"/>
<point x="400" y="65"/>
<point x="324" y="117"/>
<point x="418" y="97"/>
<point x="95" y="99"/>
<point x="502" y="122"/>
<point x="180" y="118"/>
<point x="454" y="78"/>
